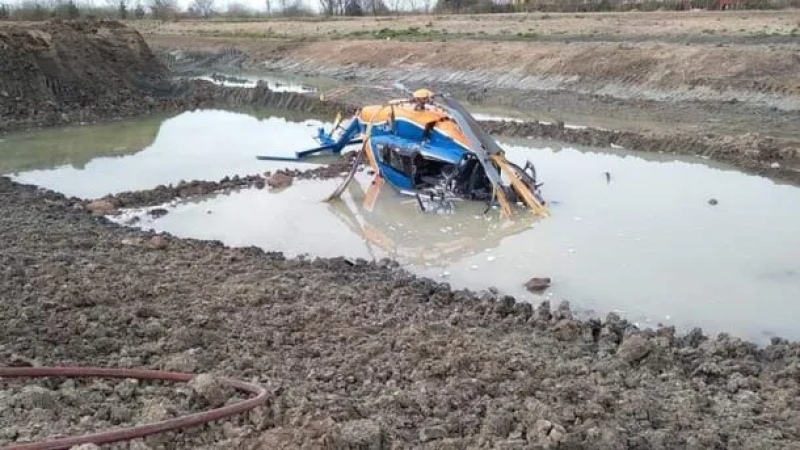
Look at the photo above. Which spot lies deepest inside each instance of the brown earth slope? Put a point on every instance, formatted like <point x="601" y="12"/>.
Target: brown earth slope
<point x="722" y="85"/>
<point x="51" y="71"/>
<point x="66" y="72"/>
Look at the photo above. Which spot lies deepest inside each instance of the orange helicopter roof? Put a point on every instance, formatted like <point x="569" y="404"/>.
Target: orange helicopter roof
<point x="382" y="113"/>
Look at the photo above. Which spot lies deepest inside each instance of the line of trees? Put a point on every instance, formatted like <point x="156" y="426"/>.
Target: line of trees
<point x="169" y="9"/>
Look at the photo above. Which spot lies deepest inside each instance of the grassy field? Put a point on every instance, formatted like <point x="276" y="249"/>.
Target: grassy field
<point x="632" y="26"/>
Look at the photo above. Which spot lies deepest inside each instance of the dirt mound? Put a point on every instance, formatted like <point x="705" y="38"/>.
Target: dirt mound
<point x="51" y="72"/>
<point x="65" y="72"/>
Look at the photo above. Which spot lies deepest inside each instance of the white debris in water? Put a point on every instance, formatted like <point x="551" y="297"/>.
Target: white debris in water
<point x="578" y="219"/>
<point x="490" y="258"/>
<point x="775" y="165"/>
<point x="444" y="274"/>
<point x="616" y="146"/>
<point x="668" y="317"/>
<point x="571" y="250"/>
<point x="473" y="267"/>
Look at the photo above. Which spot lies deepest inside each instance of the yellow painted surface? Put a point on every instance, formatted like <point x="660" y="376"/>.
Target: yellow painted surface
<point x="381" y="113"/>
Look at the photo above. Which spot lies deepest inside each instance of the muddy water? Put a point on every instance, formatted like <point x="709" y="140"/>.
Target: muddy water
<point x="631" y="233"/>
<point x="93" y="161"/>
<point x="643" y="240"/>
<point x="248" y="80"/>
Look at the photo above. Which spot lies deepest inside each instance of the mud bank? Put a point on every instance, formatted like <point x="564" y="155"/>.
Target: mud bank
<point x="746" y="136"/>
<point x="647" y="72"/>
<point x="366" y="354"/>
<point x="763" y="155"/>
<point x="197" y="188"/>
<point x="65" y="72"/>
<point x="60" y="73"/>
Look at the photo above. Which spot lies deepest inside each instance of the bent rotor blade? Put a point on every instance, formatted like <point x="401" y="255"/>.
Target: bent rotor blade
<point x="357" y="162"/>
<point x="373" y="192"/>
<point x="465" y="120"/>
<point x="519" y="185"/>
<point x="479" y="147"/>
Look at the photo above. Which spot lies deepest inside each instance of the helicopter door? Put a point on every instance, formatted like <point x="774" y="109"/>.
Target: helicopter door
<point x="402" y="160"/>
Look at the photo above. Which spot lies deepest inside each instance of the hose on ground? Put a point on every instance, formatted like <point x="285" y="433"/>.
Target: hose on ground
<point x="123" y="434"/>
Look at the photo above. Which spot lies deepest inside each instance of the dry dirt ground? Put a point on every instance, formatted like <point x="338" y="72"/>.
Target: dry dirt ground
<point x="697" y="26"/>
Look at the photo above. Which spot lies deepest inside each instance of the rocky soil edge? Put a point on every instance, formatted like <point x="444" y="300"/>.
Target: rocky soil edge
<point x="399" y="360"/>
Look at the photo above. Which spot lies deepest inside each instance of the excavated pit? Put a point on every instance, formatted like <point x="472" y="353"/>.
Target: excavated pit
<point x="354" y="353"/>
<point x="653" y="263"/>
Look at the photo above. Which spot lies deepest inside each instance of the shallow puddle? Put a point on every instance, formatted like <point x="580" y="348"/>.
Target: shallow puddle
<point x="247" y="80"/>
<point x="633" y="233"/>
<point x="642" y="240"/>
<point x="93" y="161"/>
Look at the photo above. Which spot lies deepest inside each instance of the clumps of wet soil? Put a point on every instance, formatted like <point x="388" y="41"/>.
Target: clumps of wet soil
<point x="197" y="188"/>
<point x="69" y="71"/>
<point x="83" y="71"/>
<point x="367" y="355"/>
<point x="761" y="154"/>
<point x="39" y="409"/>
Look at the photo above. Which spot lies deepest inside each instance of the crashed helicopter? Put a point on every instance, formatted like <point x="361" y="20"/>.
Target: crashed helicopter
<point x="430" y="147"/>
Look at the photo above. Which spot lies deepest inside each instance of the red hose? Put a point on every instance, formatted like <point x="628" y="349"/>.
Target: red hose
<point x="123" y="434"/>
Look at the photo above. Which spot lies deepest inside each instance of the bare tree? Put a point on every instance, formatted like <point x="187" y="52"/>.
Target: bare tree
<point x="237" y="9"/>
<point x="203" y="7"/>
<point x="121" y="7"/>
<point x="269" y="7"/>
<point x="164" y="9"/>
<point x="327" y="7"/>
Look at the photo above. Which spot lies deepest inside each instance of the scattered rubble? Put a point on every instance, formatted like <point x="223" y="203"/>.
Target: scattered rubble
<point x="537" y="285"/>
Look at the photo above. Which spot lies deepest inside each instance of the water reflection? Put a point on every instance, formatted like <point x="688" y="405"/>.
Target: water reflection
<point x="204" y="144"/>
<point x="246" y="80"/>
<point x="632" y="232"/>
<point x="646" y="244"/>
<point x="396" y="227"/>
